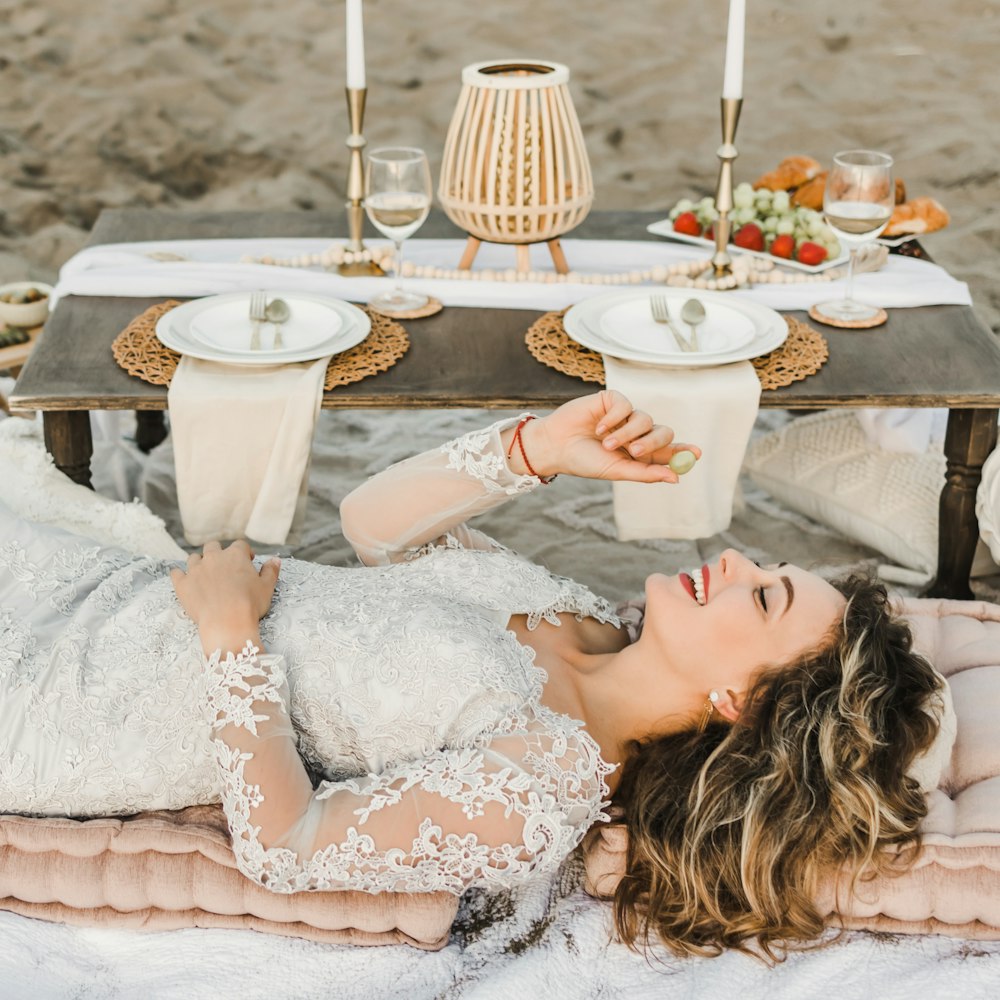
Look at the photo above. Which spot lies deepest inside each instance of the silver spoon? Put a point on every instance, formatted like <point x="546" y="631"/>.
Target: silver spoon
<point x="693" y="313"/>
<point x="277" y="312"/>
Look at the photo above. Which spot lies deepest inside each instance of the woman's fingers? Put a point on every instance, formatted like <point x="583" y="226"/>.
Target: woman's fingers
<point x="617" y="409"/>
<point x="269" y="571"/>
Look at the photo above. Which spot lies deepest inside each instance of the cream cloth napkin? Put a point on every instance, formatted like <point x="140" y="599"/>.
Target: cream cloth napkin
<point x="242" y="443"/>
<point x="713" y="408"/>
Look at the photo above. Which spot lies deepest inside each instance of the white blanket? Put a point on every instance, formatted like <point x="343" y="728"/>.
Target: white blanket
<point x="549" y="940"/>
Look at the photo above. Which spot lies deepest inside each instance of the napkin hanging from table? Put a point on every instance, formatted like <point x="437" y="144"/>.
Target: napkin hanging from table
<point x="713" y="408"/>
<point x="242" y="444"/>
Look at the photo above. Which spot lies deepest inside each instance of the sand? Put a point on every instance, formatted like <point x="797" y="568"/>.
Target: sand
<point x="227" y="105"/>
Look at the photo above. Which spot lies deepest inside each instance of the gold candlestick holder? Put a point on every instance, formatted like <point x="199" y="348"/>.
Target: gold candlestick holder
<point x="722" y="263"/>
<point x="354" y="264"/>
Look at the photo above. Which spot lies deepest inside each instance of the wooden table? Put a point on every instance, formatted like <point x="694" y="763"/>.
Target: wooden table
<point x="937" y="356"/>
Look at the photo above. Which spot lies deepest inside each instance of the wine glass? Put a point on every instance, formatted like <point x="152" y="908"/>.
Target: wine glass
<point x="397" y="200"/>
<point x="858" y="201"/>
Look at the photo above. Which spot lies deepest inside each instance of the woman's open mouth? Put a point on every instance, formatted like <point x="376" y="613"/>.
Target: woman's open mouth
<point x="696" y="583"/>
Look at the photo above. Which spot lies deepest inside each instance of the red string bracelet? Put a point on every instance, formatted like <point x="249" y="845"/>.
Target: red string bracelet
<point x="524" y="455"/>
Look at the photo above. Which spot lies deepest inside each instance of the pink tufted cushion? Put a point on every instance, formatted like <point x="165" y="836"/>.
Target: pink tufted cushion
<point x="164" y="870"/>
<point x="954" y="887"/>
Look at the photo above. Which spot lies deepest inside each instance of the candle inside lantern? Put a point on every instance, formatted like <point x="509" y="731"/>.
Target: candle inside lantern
<point x="355" y="46"/>
<point x="732" y="80"/>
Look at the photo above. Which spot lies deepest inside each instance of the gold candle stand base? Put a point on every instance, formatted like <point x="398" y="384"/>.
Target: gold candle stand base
<point x="356" y="188"/>
<point x="722" y="263"/>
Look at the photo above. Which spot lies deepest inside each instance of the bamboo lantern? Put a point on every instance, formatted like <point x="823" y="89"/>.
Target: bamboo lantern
<point x="515" y="168"/>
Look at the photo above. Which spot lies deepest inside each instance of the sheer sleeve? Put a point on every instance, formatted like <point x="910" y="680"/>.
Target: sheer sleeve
<point x="425" y="497"/>
<point x="486" y="815"/>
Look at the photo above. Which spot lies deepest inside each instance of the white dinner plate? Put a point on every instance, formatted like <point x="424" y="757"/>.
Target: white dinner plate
<point x="174" y="330"/>
<point x="630" y="324"/>
<point x="227" y="327"/>
<point x="583" y="322"/>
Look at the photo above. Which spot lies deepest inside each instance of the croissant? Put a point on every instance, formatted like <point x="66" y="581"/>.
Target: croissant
<point x="921" y="215"/>
<point x="810" y="195"/>
<point x="792" y="172"/>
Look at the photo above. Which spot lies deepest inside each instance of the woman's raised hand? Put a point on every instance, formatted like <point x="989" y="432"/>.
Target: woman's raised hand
<point x="600" y="436"/>
<point x="225" y="595"/>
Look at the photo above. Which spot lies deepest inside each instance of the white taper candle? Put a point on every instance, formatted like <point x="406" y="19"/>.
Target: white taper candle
<point x="355" y="46"/>
<point x="732" y="80"/>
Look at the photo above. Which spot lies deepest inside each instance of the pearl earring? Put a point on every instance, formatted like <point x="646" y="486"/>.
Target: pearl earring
<point x="710" y="702"/>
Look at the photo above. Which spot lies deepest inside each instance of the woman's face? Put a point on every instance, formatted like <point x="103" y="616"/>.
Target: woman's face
<point x="718" y="626"/>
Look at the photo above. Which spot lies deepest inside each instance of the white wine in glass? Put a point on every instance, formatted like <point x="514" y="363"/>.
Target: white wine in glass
<point x="397" y="200"/>
<point x="857" y="202"/>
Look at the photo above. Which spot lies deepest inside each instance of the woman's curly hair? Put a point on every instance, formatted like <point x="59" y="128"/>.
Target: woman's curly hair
<point x="732" y="830"/>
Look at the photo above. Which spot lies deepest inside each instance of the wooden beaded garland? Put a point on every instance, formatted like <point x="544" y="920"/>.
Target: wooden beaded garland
<point x="684" y="274"/>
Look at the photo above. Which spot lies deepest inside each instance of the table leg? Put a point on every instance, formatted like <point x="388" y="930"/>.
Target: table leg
<point x="971" y="436"/>
<point x="68" y="441"/>
<point x="150" y="429"/>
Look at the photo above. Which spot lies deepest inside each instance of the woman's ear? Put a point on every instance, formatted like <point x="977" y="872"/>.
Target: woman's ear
<point x="729" y="705"/>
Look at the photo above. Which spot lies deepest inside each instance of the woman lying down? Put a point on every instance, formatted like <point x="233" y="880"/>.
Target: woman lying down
<point x="451" y="715"/>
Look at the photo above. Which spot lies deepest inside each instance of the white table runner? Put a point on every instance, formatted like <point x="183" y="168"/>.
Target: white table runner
<point x="213" y="266"/>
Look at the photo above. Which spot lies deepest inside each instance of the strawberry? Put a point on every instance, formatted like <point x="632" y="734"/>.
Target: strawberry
<point x="811" y="254"/>
<point x="750" y="237"/>
<point x="783" y="246"/>
<point x="687" y="223"/>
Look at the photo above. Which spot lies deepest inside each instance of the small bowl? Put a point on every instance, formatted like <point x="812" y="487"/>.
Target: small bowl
<point x="25" y="314"/>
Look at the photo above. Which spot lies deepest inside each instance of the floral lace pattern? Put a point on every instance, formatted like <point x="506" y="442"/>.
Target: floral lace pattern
<point x="399" y="687"/>
<point x="552" y="791"/>
<point x="475" y="455"/>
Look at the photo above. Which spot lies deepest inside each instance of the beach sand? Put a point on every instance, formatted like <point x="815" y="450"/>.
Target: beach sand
<point x="232" y="105"/>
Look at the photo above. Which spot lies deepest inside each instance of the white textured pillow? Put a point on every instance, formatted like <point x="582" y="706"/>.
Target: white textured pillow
<point x="988" y="505"/>
<point x="823" y="466"/>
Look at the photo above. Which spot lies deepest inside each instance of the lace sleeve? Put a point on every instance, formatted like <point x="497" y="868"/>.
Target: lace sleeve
<point x="485" y="816"/>
<point x="425" y="497"/>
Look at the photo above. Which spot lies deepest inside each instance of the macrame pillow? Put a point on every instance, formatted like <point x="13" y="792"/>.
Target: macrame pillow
<point x="954" y="886"/>
<point x="823" y="466"/>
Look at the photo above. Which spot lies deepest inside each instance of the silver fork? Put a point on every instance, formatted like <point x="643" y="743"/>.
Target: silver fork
<point x="661" y="314"/>
<point x="258" y="315"/>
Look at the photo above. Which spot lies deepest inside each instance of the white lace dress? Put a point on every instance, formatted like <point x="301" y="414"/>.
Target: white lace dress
<point x="393" y="737"/>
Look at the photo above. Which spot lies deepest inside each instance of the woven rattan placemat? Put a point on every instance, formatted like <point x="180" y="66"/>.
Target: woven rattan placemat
<point x="138" y="350"/>
<point x="802" y="354"/>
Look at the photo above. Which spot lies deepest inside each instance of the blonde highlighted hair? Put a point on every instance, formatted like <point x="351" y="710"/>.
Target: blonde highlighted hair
<point x="732" y="830"/>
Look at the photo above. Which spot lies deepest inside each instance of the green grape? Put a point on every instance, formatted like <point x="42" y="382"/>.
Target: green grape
<point x="770" y="224"/>
<point x="781" y="201"/>
<point x="743" y="196"/>
<point x="684" y="205"/>
<point x="785" y="226"/>
<point x="707" y="202"/>
<point x="683" y="462"/>
<point x="744" y="215"/>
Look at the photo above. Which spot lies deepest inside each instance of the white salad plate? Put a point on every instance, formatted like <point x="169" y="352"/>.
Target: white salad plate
<point x="616" y="324"/>
<point x="630" y="324"/>
<point x="665" y="227"/>
<point x="226" y="326"/>
<point x="320" y="325"/>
